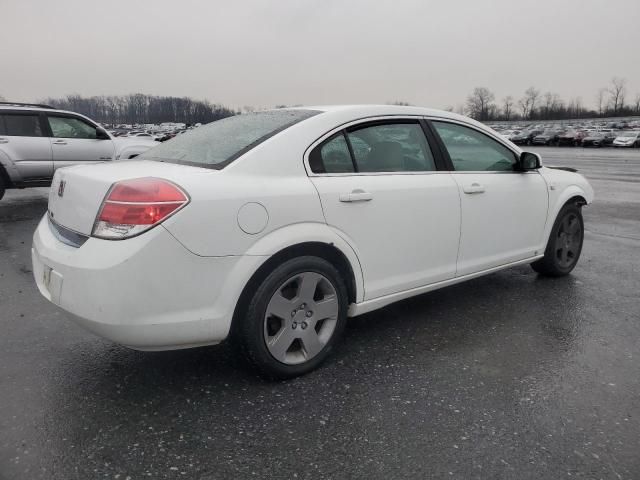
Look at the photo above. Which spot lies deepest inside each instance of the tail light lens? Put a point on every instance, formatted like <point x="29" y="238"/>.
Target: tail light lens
<point x="134" y="206"/>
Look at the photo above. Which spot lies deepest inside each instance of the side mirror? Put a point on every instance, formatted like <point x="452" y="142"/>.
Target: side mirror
<point x="529" y="161"/>
<point x="101" y="134"/>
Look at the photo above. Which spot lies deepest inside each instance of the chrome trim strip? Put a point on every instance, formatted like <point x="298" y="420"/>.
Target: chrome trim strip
<point x="65" y="235"/>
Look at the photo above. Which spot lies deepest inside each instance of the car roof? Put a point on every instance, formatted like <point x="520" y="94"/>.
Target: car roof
<point x="376" y="110"/>
<point x="35" y="109"/>
<point x="362" y="112"/>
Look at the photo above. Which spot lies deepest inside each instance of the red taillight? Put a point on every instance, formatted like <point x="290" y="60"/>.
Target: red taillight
<point x="134" y="206"/>
<point x="145" y="190"/>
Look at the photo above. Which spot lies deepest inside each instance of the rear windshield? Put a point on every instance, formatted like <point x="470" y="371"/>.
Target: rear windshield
<point x="217" y="144"/>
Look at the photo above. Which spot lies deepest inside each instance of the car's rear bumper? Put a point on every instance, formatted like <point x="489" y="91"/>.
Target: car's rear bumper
<point x="147" y="292"/>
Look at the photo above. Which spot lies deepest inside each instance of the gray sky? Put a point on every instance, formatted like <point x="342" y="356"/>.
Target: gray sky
<point x="263" y="53"/>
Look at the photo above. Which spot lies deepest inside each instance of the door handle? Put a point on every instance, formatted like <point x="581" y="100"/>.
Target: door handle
<point x="475" y="187"/>
<point x="4" y="140"/>
<point x="356" y="195"/>
<point x="60" y="142"/>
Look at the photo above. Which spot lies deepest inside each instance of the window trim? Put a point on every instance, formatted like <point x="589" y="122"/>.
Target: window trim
<point x="445" y="153"/>
<point x="360" y="123"/>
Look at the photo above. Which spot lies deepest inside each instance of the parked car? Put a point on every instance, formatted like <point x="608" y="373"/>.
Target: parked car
<point x="146" y="135"/>
<point x="594" y="139"/>
<point x="525" y="136"/>
<point x="508" y="134"/>
<point x="610" y="136"/>
<point x="627" y="139"/>
<point x="571" y="137"/>
<point x="271" y="228"/>
<point x="36" y="140"/>
<point x="548" y="137"/>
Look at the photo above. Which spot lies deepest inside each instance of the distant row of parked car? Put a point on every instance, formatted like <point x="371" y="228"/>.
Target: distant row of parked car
<point x="625" y="135"/>
<point x="158" y="136"/>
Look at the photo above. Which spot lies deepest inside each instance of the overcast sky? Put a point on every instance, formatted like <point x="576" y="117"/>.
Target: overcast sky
<point x="268" y="52"/>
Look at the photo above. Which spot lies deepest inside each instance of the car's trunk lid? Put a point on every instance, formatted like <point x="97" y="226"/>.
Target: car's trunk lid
<point x="77" y="193"/>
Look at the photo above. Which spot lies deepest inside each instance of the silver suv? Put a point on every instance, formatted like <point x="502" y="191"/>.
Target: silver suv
<point x="36" y="140"/>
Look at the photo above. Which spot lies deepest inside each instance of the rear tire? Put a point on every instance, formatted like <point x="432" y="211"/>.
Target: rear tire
<point x="294" y="319"/>
<point x="564" y="245"/>
<point x="2" y="187"/>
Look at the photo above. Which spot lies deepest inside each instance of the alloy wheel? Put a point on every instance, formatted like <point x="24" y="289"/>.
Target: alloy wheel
<point x="568" y="241"/>
<point x="300" y="318"/>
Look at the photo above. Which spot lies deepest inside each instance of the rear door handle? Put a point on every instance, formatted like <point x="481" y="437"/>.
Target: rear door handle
<point x="356" y="195"/>
<point x="475" y="187"/>
<point x="60" y="142"/>
<point x="4" y="140"/>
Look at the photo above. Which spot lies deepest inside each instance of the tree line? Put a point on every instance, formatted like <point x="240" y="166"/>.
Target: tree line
<point x="141" y="108"/>
<point x="610" y="101"/>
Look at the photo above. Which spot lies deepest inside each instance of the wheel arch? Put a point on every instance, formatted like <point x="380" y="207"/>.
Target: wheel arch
<point x="573" y="194"/>
<point x="4" y="176"/>
<point x="5" y="166"/>
<point x="327" y="251"/>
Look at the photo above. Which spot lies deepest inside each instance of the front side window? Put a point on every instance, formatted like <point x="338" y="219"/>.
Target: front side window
<point x="218" y="143"/>
<point x="69" y="127"/>
<point x="473" y="151"/>
<point x="20" y="125"/>
<point x="393" y="147"/>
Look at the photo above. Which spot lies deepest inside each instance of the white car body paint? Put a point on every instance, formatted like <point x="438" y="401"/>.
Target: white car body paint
<point x="178" y="284"/>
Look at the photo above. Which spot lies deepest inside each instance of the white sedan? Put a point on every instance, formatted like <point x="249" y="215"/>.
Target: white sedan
<point x="272" y="228"/>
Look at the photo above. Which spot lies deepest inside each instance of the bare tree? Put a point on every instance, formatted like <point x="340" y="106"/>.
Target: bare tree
<point x="507" y="106"/>
<point x="574" y="108"/>
<point x="140" y="108"/>
<point x="548" y="103"/>
<point x="2" y="99"/>
<point x="532" y="95"/>
<point x="636" y="104"/>
<point x="528" y="102"/>
<point x="480" y="103"/>
<point x="617" y="91"/>
<point x="601" y="98"/>
<point x="523" y="103"/>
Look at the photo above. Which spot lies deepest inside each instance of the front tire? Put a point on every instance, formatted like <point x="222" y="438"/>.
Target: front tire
<point x="564" y="245"/>
<point x="294" y="318"/>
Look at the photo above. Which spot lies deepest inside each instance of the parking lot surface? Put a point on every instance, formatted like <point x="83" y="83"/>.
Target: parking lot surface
<point x="507" y="376"/>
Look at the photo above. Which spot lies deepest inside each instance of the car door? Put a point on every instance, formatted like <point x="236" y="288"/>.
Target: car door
<point x="381" y="189"/>
<point x="75" y="141"/>
<point x="504" y="211"/>
<point x="23" y="140"/>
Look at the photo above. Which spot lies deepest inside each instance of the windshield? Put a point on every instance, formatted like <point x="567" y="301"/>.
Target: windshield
<point x="217" y="144"/>
<point x="628" y="134"/>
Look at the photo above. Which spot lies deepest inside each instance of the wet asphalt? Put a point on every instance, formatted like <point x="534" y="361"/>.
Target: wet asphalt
<point x="510" y="376"/>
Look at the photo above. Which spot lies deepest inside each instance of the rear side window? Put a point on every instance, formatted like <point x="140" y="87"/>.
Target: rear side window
<point x="332" y="156"/>
<point x="20" y="125"/>
<point x="381" y="147"/>
<point x="219" y="143"/>
<point x="399" y="147"/>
